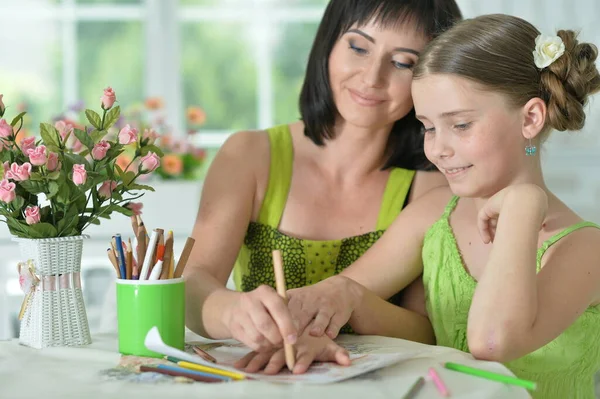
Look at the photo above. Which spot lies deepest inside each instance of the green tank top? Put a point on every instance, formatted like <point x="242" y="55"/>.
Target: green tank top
<point x="564" y="368"/>
<point x="305" y="261"/>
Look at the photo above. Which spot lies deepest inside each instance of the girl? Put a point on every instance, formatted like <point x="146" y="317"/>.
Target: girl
<point x="510" y="272"/>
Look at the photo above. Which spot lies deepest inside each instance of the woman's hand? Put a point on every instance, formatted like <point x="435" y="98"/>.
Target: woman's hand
<point x="308" y="350"/>
<point x="527" y="195"/>
<point x="260" y="319"/>
<point x="326" y="306"/>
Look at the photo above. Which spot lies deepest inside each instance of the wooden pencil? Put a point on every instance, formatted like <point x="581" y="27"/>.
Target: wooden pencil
<point x="129" y="260"/>
<point x="168" y="253"/>
<point x="185" y="254"/>
<point x="113" y="260"/>
<point x="290" y="358"/>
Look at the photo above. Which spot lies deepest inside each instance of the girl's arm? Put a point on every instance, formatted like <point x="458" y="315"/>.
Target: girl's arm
<point x="516" y="311"/>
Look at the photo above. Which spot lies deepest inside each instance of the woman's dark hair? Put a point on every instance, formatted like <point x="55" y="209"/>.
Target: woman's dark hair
<point x="317" y="108"/>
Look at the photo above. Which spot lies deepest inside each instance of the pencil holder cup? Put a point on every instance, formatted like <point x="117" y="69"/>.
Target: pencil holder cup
<point x="142" y="305"/>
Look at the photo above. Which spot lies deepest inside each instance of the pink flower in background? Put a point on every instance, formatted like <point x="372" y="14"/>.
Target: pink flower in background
<point x="136" y="207"/>
<point x="19" y="172"/>
<point x="150" y="162"/>
<point x="109" y="98"/>
<point x="28" y="143"/>
<point x="106" y="189"/>
<point x="6" y="130"/>
<point x="2" y="107"/>
<point x="79" y="174"/>
<point x="53" y="162"/>
<point x="38" y="156"/>
<point x="127" y="135"/>
<point x="32" y="214"/>
<point x="150" y="135"/>
<point x="7" y="191"/>
<point x="100" y="149"/>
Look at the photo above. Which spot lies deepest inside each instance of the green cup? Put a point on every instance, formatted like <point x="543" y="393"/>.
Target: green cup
<point x="142" y="305"/>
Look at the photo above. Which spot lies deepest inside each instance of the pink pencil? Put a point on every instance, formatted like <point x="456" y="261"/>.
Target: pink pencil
<point x="439" y="384"/>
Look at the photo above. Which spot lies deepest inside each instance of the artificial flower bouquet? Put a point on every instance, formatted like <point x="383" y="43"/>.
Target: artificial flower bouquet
<point x="69" y="178"/>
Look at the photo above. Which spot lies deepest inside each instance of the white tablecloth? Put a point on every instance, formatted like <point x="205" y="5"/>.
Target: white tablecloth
<point x="77" y="373"/>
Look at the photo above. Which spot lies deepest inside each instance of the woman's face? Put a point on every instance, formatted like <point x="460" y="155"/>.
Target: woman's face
<point x="370" y="72"/>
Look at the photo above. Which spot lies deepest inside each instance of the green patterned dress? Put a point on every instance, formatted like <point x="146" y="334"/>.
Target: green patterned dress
<point x="305" y="261"/>
<point x="563" y="368"/>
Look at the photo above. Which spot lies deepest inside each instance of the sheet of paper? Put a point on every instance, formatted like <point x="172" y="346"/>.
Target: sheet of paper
<point x="319" y="373"/>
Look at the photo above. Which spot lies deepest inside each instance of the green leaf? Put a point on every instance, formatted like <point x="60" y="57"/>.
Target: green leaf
<point x="54" y="175"/>
<point x="16" y="118"/>
<point x="68" y="223"/>
<point x="85" y="139"/>
<point x="17" y="228"/>
<point x="120" y="209"/>
<point x="33" y="187"/>
<point x="77" y="159"/>
<point x="140" y="187"/>
<point x="53" y="188"/>
<point x="151" y="148"/>
<point x="49" y="135"/>
<point x="97" y="135"/>
<point x="64" y="194"/>
<point x="112" y="117"/>
<point x="94" y="118"/>
<point x="35" y="176"/>
<point x="43" y="230"/>
<point x="127" y="178"/>
<point x="18" y="202"/>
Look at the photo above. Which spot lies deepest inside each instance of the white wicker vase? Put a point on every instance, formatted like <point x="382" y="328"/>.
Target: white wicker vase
<point x="55" y="313"/>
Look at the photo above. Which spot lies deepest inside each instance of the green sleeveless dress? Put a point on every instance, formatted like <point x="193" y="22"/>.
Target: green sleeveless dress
<point x="563" y="369"/>
<point x="305" y="261"/>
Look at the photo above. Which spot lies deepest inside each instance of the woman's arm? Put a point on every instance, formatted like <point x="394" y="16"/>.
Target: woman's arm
<point x="516" y="311"/>
<point x="226" y="207"/>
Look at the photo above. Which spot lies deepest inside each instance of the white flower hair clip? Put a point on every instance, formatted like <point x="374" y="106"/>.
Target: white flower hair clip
<point x="547" y="50"/>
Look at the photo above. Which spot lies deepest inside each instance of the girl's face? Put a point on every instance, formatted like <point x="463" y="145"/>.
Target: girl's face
<point x="370" y="72"/>
<point x="473" y="136"/>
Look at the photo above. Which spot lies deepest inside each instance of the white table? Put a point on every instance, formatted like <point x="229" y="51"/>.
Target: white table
<point x="75" y="373"/>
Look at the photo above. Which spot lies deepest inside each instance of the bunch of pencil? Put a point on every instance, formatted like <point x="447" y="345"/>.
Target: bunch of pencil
<point x="154" y="258"/>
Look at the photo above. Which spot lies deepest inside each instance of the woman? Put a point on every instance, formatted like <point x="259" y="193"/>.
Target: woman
<point x="510" y="272"/>
<point x="324" y="189"/>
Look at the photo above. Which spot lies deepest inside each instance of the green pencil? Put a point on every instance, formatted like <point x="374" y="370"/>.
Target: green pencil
<point x="491" y="376"/>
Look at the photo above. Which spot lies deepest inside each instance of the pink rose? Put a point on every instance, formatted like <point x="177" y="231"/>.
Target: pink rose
<point x="150" y="162"/>
<point x="63" y="128"/>
<point x="7" y="191"/>
<point x="28" y="143"/>
<point x="32" y="214"/>
<point x="53" y="162"/>
<point x="6" y="130"/>
<point x="100" y="149"/>
<point x="2" y="107"/>
<point x="106" y="189"/>
<point x="79" y="174"/>
<point x="150" y="135"/>
<point x="19" y="172"/>
<point x="136" y="207"/>
<point x="108" y="99"/>
<point x="37" y="156"/>
<point x="127" y="135"/>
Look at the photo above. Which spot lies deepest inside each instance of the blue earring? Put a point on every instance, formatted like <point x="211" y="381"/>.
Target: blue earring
<point x="530" y="149"/>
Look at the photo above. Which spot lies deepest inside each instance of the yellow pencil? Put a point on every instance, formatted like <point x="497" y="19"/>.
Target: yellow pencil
<point x="206" y="369"/>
